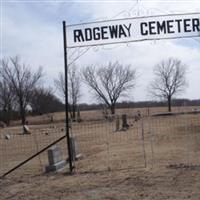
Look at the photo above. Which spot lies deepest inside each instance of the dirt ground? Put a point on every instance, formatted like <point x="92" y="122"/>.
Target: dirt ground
<point x="155" y="158"/>
<point x="158" y="184"/>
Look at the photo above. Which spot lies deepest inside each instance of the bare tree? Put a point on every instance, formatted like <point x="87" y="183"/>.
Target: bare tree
<point x="6" y="100"/>
<point x="22" y="81"/>
<point x="60" y="85"/>
<point x="74" y="85"/>
<point x="44" y="101"/>
<point x="74" y="89"/>
<point x="169" y="79"/>
<point x="110" y="82"/>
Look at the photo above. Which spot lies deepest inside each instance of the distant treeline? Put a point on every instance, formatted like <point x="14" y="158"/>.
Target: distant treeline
<point x="142" y="104"/>
<point x="52" y="104"/>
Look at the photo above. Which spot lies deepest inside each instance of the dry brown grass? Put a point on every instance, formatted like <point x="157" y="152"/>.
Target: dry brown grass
<point x="114" y="164"/>
<point x="97" y="114"/>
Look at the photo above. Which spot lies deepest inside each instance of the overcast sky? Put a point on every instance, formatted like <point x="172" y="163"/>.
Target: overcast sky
<point x="33" y="30"/>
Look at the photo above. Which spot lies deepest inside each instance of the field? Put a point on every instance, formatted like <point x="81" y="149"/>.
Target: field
<point x="155" y="158"/>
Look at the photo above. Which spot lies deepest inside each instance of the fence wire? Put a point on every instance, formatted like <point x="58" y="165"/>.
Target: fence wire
<point x="103" y="144"/>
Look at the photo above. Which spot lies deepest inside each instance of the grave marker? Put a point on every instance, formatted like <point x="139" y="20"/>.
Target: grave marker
<point x="117" y="124"/>
<point x="7" y="137"/>
<point x="26" y="130"/>
<point x="124" y="122"/>
<point x="73" y="148"/>
<point x="55" y="159"/>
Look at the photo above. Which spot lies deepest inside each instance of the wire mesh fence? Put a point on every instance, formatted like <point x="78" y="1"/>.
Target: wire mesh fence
<point x="15" y="147"/>
<point x="105" y="144"/>
<point x="149" y="142"/>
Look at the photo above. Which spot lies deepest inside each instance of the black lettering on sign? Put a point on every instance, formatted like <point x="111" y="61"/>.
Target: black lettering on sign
<point x="88" y="34"/>
<point x="196" y="24"/>
<point x="170" y="26"/>
<point x="187" y="25"/>
<point x="161" y="27"/>
<point x="104" y="32"/>
<point x="128" y="29"/>
<point x="152" y="28"/>
<point x="121" y="31"/>
<point x="96" y="33"/>
<point x="78" y="35"/>
<point x="146" y="28"/>
<point x="178" y="24"/>
<point x="142" y="26"/>
<point x="113" y="31"/>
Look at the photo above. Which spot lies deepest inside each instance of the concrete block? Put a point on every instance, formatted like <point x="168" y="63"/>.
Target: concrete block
<point x="55" y="167"/>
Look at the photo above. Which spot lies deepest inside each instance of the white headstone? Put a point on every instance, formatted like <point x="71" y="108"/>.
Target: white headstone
<point x="7" y="137"/>
<point x="26" y="129"/>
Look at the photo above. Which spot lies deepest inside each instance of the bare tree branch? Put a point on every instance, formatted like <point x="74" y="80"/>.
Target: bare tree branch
<point x="169" y="79"/>
<point x="74" y="86"/>
<point x="110" y="82"/>
<point x="22" y="81"/>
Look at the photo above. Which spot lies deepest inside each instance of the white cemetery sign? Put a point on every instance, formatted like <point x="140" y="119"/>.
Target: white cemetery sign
<point x="133" y="29"/>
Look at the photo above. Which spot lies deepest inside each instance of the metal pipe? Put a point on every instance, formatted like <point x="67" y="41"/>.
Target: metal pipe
<point x="66" y="98"/>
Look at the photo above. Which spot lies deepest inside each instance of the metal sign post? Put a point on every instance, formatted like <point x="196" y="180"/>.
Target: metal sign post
<point x="66" y="99"/>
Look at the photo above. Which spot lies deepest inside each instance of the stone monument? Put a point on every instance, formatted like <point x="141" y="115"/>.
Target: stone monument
<point x="26" y="130"/>
<point x="124" y="122"/>
<point x="55" y="159"/>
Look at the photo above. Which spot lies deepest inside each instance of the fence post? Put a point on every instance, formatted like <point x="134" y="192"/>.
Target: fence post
<point x="66" y="99"/>
<point x="117" y="123"/>
<point x="143" y="145"/>
<point x="124" y="121"/>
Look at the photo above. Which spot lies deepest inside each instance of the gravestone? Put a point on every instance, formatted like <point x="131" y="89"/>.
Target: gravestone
<point x="117" y="124"/>
<point x="55" y="159"/>
<point x="26" y="130"/>
<point x="7" y="137"/>
<point x="74" y="151"/>
<point x="51" y="119"/>
<point x="73" y="148"/>
<point x="138" y="116"/>
<point x="124" y="122"/>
